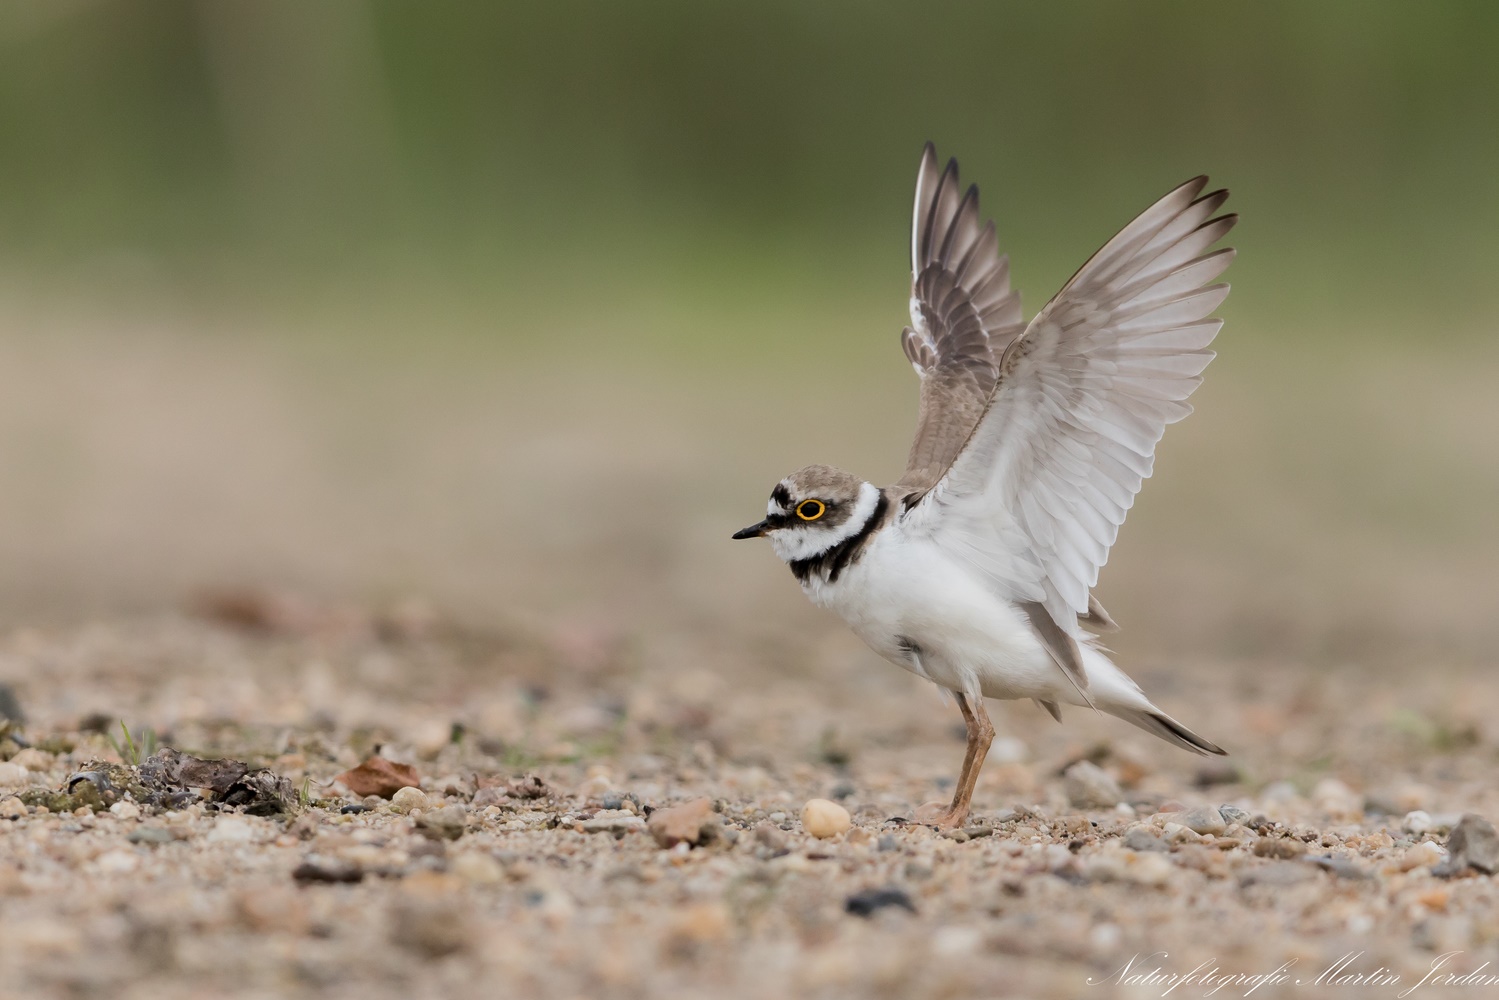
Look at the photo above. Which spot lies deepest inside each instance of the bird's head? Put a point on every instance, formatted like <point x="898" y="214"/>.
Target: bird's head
<point x="812" y="510"/>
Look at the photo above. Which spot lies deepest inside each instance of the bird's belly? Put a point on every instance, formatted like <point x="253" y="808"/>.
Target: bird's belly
<point x="921" y="611"/>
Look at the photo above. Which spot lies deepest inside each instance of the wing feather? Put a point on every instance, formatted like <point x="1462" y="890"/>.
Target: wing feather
<point x="1036" y="495"/>
<point x="963" y="315"/>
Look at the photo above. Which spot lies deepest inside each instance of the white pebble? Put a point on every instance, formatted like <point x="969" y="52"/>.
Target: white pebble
<point x="477" y="868"/>
<point x="1417" y="821"/>
<point x="12" y="775"/>
<point x="823" y="818"/>
<point x="231" y="830"/>
<point x="125" y="809"/>
<point x="1422" y="855"/>
<point x="407" y="799"/>
<point x="117" y="861"/>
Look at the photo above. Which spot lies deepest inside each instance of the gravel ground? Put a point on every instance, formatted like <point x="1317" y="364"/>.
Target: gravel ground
<point x="1276" y="858"/>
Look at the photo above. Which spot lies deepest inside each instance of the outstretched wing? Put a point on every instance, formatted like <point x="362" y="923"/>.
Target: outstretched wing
<point x="1035" y="499"/>
<point x="963" y="316"/>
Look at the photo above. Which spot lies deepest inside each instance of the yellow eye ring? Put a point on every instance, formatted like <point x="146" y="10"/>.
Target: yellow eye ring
<point x="804" y="512"/>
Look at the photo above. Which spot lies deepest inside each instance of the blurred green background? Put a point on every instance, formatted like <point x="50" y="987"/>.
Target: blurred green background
<point x="525" y="306"/>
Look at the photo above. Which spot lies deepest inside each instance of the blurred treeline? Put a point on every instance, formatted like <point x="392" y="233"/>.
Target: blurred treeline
<point x="549" y="156"/>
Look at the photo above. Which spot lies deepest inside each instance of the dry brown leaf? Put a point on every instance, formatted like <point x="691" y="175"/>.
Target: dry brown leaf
<point x="378" y="776"/>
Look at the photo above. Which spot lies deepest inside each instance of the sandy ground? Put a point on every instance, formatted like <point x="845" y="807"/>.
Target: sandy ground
<point x="297" y="560"/>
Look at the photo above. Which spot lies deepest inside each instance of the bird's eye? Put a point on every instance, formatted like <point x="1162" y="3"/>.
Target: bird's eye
<point x="811" y="510"/>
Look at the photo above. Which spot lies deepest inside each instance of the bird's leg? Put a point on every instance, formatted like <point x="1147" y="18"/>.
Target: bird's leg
<point x="980" y="735"/>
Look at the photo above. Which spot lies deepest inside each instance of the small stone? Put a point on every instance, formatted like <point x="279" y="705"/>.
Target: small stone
<point x="1141" y="839"/>
<point x="326" y="871"/>
<point x="887" y="843"/>
<point x="1417" y="821"/>
<point x="150" y="835"/>
<point x="1175" y="833"/>
<point x="871" y="901"/>
<point x="33" y="759"/>
<point x="13" y="775"/>
<point x="1342" y="867"/>
<point x="1148" y="869"/>
<point x="406" y="799"/>
<point x="267" y="909"/>
<point x="621" y="822"/>
<point x="1279" y="847"/>
<point x="1208" y="822"/>
<point x="695" y="926"/>
<point x="769" y="835"/>
<point x="527" y="787"/>
<point x="447" y="823"/>
<point x="12" y="808"/>
<point x="1422" y="855"/>
<point x="231" y="830"/>
<point x="1473" y="844"/>
<point x="477" y="868"/>
<point x="823" y="818"/>
<point x="682" y="824"/>
<point x="117" y="861"/>
<point x="1091" y="787"/>
<point x="1233" y="814"/>
<point x="125" y="809"/>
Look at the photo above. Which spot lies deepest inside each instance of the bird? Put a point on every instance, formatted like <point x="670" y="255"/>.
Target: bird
<point x="976" y="569"/>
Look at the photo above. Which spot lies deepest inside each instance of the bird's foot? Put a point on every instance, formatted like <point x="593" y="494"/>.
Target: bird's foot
<point x="941" y="814"/>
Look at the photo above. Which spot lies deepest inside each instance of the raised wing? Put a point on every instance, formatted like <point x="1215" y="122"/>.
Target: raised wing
<point x="1035" y="499"/>
<point x="963" y="316"/>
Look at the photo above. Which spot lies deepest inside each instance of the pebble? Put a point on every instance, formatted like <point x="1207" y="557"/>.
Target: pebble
<point x="125" y="809"/>
<point x="1422" y="855"/>
<point x="823" y="818"/>
<point x="477" y="868"/>
<point x="407" y="799"/>
<point x="12" y="775"/>
<point x="12" y="807"/>
<point x="1089" y="786"/>
<point x="683" y="824"/>
<point x="1136" y="868"/>
<point x="33" y="759"/>
<point x="447" y="823"/>
<point x="117" y="861"/>
<point x="1141" y="839"/>
<point x="621" y="822"/>
<point x="1342" y="867"/>
<point x="1279" y="847"/>
<point x="1473" y="844"/>
<point x="871" y="901"/>
<point x="768" y="835"/>
<point x="1417" y="821"/>
<point x="231" y="830"/>
<point x="150" y="835"/>
<point x="1233" y="814"/>
<point x="1175" y="833"/>
<point x="1208" y="822"/>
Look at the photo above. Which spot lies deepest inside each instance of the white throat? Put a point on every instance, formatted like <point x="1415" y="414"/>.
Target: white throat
<point x="806" y="541"/>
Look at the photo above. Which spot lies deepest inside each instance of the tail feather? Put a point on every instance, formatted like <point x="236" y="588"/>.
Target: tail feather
<point x="1158" y="723"/>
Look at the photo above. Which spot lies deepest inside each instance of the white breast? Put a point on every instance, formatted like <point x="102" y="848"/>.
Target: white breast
<point x="918" y="608"/>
